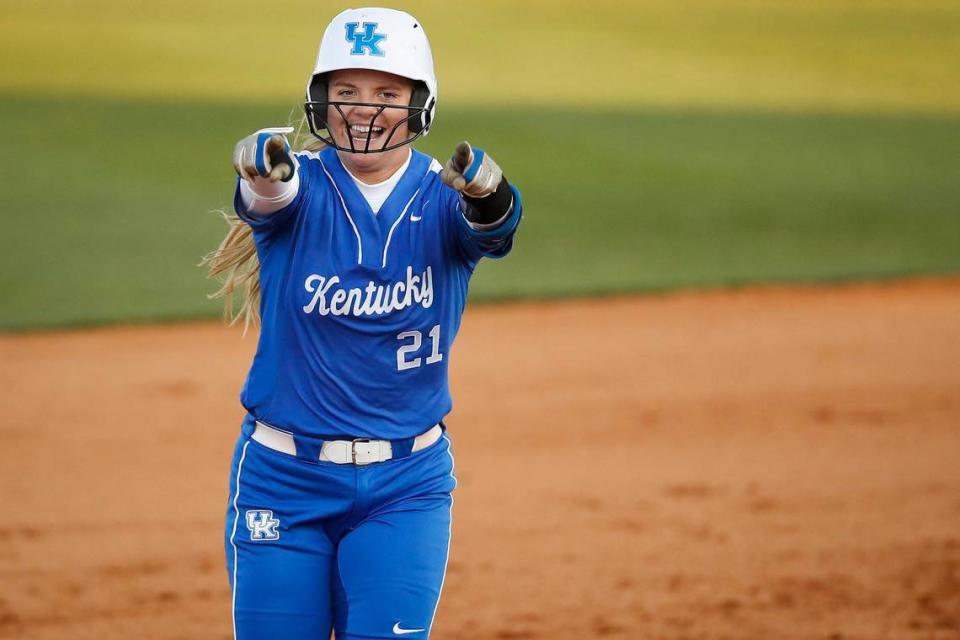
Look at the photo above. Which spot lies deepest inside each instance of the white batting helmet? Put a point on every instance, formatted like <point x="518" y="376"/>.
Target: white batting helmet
<point x="381" y="40"/>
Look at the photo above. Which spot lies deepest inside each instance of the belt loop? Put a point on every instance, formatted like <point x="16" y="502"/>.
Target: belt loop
<point x="249" y="424"/>
<point x="307" y="448"/>
<point x="402" y="448"/>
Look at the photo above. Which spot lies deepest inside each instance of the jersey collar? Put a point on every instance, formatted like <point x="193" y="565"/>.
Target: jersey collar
<point x="376" y="230"/>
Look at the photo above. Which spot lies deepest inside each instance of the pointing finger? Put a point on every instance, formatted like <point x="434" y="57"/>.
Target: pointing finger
<point x="463" y="155"/>
<point x="275" y="144"/>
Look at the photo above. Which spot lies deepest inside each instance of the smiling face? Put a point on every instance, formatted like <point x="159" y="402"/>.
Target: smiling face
<point x="354" y="123"/>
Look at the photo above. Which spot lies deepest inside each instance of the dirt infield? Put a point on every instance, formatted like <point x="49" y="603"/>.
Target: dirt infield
<point x="770" y="464"/>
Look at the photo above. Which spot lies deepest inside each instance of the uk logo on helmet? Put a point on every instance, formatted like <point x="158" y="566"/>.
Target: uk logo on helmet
<point x="365" y="41"/>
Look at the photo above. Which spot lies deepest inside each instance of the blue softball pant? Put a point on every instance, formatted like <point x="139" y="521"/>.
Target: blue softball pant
<point x="317" y="546"/>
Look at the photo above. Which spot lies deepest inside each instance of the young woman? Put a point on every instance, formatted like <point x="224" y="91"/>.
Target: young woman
<point x="340" y="490"/>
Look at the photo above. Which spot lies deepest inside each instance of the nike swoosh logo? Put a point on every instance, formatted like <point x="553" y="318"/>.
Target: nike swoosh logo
<point x="414" y="218"/>
<point x="400" y="632"/>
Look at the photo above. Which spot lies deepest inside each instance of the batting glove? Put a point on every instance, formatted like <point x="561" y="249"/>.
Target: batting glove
<point x="471" y="172"/>
<point x="265" y="153"/>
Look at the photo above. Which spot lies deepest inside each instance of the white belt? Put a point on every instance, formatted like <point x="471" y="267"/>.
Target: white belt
<point x="360" y="451"/>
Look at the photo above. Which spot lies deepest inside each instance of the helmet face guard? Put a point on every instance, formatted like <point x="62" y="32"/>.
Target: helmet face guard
<point x="317" y="108"/>
<point x="319" y="127"/>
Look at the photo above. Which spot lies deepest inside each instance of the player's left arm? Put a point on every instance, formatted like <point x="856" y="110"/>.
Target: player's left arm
<point x="490" y="204"/>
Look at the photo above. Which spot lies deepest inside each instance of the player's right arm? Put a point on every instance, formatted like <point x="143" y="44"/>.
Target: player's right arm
<point x="269" y="172"/>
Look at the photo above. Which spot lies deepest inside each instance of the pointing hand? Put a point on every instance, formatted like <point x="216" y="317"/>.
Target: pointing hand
<point x="265" y="153"/>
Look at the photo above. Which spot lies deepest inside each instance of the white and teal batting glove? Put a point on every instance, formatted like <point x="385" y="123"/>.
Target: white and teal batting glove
<point x="265" y="153"/>
<point x="471" y="172"/>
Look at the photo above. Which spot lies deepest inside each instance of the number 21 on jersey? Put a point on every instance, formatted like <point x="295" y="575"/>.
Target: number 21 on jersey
<point x="411" y="343"/>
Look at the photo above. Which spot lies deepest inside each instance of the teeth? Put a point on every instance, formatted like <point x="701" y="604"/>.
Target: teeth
<point x="359" y="128"/>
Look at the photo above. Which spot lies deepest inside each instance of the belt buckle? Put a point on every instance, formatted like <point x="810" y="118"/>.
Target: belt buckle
<point x="353" y="451"/>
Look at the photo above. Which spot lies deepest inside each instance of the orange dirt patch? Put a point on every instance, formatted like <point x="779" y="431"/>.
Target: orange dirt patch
<point x="773" y="464"/>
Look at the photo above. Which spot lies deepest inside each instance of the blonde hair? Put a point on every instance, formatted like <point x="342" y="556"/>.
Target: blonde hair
<point x="235" y="261"/>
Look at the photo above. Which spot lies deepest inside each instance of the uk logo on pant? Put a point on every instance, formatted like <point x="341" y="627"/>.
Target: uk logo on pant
<point x="262" y="525"/>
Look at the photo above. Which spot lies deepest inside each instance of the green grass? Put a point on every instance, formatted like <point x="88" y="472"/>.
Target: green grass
<point x="107" y="204"/>
<point x="851" y="55"/>
<point x="659" y="144"/>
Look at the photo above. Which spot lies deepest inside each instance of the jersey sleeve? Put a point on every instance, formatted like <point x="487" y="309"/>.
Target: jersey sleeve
<point x="474" y="243"/>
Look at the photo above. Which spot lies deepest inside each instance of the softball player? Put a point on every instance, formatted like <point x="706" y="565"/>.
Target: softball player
<point x="340" y="491"/>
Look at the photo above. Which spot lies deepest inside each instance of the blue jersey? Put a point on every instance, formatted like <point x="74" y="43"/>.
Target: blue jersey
<point x="359" y="310"/>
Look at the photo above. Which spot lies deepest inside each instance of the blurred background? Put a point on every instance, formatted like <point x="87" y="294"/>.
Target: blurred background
<point x="659" y="144"/>
<point x="737" y="463"/>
